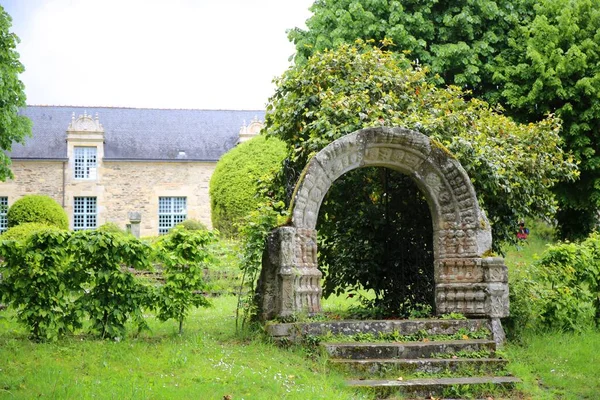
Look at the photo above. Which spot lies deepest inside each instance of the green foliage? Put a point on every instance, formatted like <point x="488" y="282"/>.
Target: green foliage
<point x="458" y="39"/>
<point x="111" y="227"/>
<point x="37" y="282"/>
<point x="512" y="166"/>
<point x="13" y="127"/>
<point x="184" y="254"/>
<point x="111" y="293"/>
<point x="23" y="231"/>
<point x="383" y="242"/>
<point x="253" y="233"/>
<point x="560" y="291"/>
<point x="234" y="184"/>
<point x="192" y="225"/>
<point x="552" y="65"/>
<point x="533" y="57"/>
<point x="37" y="208"/>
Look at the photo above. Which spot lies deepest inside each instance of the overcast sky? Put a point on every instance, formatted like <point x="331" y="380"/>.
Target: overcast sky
<point x="208" y="54"/>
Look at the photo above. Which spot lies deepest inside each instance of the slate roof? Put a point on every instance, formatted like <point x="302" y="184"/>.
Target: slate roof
<point x="138" y="133"/>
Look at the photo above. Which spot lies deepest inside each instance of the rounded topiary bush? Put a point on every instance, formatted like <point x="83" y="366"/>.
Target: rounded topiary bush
<point x="37" y="208"/>
<point x="22" y="232"/>
<point x="192" y="225"/>
<point x="111" y="227"/>
<point x="233" y="186"/>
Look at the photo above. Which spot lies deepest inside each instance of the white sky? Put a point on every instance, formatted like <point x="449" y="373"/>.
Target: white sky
<point x="220" y="54"/>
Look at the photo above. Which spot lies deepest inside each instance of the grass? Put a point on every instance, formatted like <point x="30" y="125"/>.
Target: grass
<point x="208" y="361"/>
<point x="552" y="365"/>
<point x="557" y="365"/>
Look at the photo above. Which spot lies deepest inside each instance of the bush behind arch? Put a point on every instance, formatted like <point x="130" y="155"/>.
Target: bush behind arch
<point x="234" y="184"/>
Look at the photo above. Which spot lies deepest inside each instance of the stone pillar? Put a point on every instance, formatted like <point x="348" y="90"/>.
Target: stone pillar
<point x="475" y="287"/>
<point x="289" y="282"/>
<point x="135" y="217"/>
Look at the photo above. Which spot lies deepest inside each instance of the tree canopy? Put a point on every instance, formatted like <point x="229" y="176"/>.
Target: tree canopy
<point x="13" y="127"/>
<point x="513" y="166"/>
<point x="552" y="65"/>
<point x="532" y="57"/>
<point x="457" y="39"/>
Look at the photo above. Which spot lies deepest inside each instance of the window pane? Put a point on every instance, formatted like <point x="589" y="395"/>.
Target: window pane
<point x="171" y="211"/>
<point x="3" y="210"/>
<point x="84" y="213"/>
<point x="85" y="162"/>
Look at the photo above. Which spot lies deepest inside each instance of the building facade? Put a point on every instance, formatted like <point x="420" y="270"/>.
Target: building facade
<point x="107" y="164"/>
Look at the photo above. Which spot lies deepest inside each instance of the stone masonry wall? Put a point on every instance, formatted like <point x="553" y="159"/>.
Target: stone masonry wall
<point x="122" y="186"/>
<point x="136" y="186"/>
<point x="34" y="177"/>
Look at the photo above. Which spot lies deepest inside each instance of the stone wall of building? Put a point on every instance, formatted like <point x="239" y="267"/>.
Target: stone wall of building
<point x="35" y="177"/>
<point x="120" y="187"/>
<point x="136" y="186"/>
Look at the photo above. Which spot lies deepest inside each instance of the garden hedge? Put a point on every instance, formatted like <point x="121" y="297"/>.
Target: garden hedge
<point x="234" y="184"/>
<point x="37" y="208"/>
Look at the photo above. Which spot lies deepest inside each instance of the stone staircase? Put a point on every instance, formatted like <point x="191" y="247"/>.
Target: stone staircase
<point x="409" y="358"/>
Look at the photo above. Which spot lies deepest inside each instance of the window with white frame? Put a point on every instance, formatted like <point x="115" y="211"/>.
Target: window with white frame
<point x="3" y="210"/>
<point x="84" y="213"/>
<point x="171" y="211"/>
<point x="85" y="162"/>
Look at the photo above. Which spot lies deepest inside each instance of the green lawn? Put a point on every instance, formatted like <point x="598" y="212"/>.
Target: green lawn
<point x="208" y="362"/>
<point x="553" y="365"/>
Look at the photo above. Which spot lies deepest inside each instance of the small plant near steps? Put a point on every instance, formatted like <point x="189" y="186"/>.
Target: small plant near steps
<point x="433" y="358"/>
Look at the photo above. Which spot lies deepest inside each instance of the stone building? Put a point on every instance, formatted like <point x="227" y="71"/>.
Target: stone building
<point x="103" y="163"/>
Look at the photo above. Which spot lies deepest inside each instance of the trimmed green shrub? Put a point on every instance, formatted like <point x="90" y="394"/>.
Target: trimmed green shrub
<point x="111" y="227"/>
<point x="192" y="225"/>
<point x="22" y="232"/>
<point x="234" y="184"/>
<point x="37" y="208"/>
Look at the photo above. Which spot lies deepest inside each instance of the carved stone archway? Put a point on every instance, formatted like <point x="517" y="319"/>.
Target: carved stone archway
<point x="465" y="281"/>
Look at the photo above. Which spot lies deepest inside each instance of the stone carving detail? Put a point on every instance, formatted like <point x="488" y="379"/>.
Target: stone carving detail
<point x="85" y="123"/>
<point x="466" y="282"/>
<point x="290" y="281"/>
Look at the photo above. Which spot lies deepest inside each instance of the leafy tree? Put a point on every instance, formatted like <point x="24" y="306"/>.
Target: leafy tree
<point x="552" y="65"/>
<point x="457" y="39"/>
<point x="532" y="57"/>
<point x="13" y="127"/>
<point x="37" y="281"/>
<point x="234" y="184"/>
<point x="513" y="167"/>
<point x="184" y="254"/>
<point x="112" y="294"/>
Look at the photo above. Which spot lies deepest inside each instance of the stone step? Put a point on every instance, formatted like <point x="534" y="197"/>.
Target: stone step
<point x="296" y="330"/>
<point x="396" y="366"/>
<point x="378" y="350"/>
<point x="433" y="386"/>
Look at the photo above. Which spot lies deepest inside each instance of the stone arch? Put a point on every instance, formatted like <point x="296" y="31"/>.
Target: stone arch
<point x="465" y="280"/>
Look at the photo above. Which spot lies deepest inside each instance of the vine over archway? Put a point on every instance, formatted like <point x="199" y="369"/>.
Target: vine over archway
<point x="465" y="280"/>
